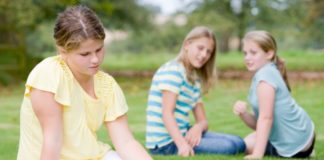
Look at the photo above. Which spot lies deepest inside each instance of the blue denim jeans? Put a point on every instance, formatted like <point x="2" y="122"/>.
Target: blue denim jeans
<point x="211" y="143"/>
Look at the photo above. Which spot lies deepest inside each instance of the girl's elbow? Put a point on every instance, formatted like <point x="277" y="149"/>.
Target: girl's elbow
<point x="165" y="118"/>
<point x="166" y="114"/>
<point x="266" y="118"/>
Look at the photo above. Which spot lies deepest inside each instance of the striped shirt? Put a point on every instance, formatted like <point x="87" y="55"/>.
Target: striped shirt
<point x="170" y="77"/>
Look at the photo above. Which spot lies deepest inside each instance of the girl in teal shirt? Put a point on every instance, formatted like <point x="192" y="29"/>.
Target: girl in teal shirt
<point x="281" y="127"/>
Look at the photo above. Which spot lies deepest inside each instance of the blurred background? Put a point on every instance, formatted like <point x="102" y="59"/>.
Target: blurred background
<point x="157" y="27"/>
<point x="141" y="35"/>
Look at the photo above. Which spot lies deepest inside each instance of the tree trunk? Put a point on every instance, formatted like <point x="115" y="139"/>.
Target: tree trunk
<point x="224" y="42"/>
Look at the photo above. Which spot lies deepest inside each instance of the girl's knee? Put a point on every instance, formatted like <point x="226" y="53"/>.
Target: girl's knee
<point x="234" y="147"/>
<point x="250" y="137"/>
<point x="239" y="143"/>
<point x="236" y="144"/>
<point x="250" y="142"/>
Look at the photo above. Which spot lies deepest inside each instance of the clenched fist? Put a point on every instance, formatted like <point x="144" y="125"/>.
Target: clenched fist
<point x="239" y="108"/>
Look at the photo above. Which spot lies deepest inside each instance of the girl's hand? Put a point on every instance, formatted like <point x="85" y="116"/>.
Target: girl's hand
<point x="193" y="136"/>
<point x="239" y="108"/>
<point x="185" y="150"/>
<point x="252" y="157"/>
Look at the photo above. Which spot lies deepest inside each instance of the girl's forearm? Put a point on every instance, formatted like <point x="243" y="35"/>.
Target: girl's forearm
<point x="203" y="125"/>
<point x="133" y="150"/>
<point x="50" y="154"/>
<point x="249" y="120"/>
<point x="173" y="129"/>
<point x="51" y="148"/>
<point x="262" y="135"/>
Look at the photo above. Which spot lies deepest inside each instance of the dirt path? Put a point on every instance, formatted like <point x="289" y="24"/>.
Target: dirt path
<point x="297" y="75"/>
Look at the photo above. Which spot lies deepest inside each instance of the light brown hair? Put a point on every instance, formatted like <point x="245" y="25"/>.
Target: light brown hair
<point x="76" y="24"/>
<point x="207" y="71"/>
<point x="267" y="43"/>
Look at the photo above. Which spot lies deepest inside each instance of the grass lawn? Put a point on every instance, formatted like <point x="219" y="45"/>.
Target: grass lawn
<point x="295" y="61"/>
<point x="218" y="105"/>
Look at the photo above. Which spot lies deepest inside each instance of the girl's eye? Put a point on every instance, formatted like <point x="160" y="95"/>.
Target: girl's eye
<point x="253" y="52"/>
<point x="208" y="52"/>
<point x="84" y="54"/>
<point x="200" y="48"/>
<point x="98" y="50"/>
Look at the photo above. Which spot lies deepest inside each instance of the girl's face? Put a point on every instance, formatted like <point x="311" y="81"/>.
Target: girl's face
<point x="85" y="60"/>
<point x="254" y="56"/>
<point x="199" y="51"/>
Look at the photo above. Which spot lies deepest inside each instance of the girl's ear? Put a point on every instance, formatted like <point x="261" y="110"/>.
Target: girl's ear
<point x="270" y="54"/>
<point x="61" y="50"/>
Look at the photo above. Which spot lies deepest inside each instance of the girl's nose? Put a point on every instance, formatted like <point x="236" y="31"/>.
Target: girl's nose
<point x="246" y="57"/>
<point x="94" y="58"/>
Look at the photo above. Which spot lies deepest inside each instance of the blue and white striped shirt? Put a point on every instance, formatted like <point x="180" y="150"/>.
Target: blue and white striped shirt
<point x="170" y="77"/>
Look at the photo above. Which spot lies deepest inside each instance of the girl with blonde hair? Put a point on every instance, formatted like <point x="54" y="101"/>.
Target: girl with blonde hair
<point x="177" y="88"/>
<point x="281" y="127"/>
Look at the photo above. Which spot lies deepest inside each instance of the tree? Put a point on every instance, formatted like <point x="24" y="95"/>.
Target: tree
<point x="17" y="18"/>
<point x="21" y="20"/>
<point x="286" y="19"/>
<point x="314" y="23"/>
<point x="224" y="16"/>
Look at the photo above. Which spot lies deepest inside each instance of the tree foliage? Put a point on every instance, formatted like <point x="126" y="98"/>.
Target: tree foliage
<point x="25" y="23"/>
<point x="284" y="18"/>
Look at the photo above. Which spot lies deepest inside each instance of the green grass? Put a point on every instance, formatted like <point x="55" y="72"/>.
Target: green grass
<point x="295" y="60"/>
<point x="10" y="100"/>
<point x="218" y="105"/>
<point x="136" y="62"/>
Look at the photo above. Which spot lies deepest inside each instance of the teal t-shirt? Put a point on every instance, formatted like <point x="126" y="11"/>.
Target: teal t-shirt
<point x="292" y="127"/>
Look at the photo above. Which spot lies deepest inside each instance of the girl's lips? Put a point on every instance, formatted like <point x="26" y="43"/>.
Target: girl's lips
<point x="201" y="61"/>
<point x="248" y="64"/>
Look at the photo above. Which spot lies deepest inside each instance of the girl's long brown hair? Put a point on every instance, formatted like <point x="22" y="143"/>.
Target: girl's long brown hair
<point x="207" y="72"/>
<point x="267" y="43"/>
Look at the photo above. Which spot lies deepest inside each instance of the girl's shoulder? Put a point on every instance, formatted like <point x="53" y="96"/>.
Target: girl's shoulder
<point x="49" y="67"/>
<point x="170" y="70"/>
<point x="268" y="73"/>
<point x="172" y="65"/>
<point x="269" y="70"/>
<point x="49" y="63"/>
<point x="49" y="75"/>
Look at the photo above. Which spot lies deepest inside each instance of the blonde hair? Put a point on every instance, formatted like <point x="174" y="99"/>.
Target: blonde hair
<point x="207" y="71"/>
<point x="76" y="24"/>
<point x="267" y="43"/>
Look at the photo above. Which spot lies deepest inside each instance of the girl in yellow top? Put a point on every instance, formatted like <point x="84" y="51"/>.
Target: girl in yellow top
<point x="67" y="99"/>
